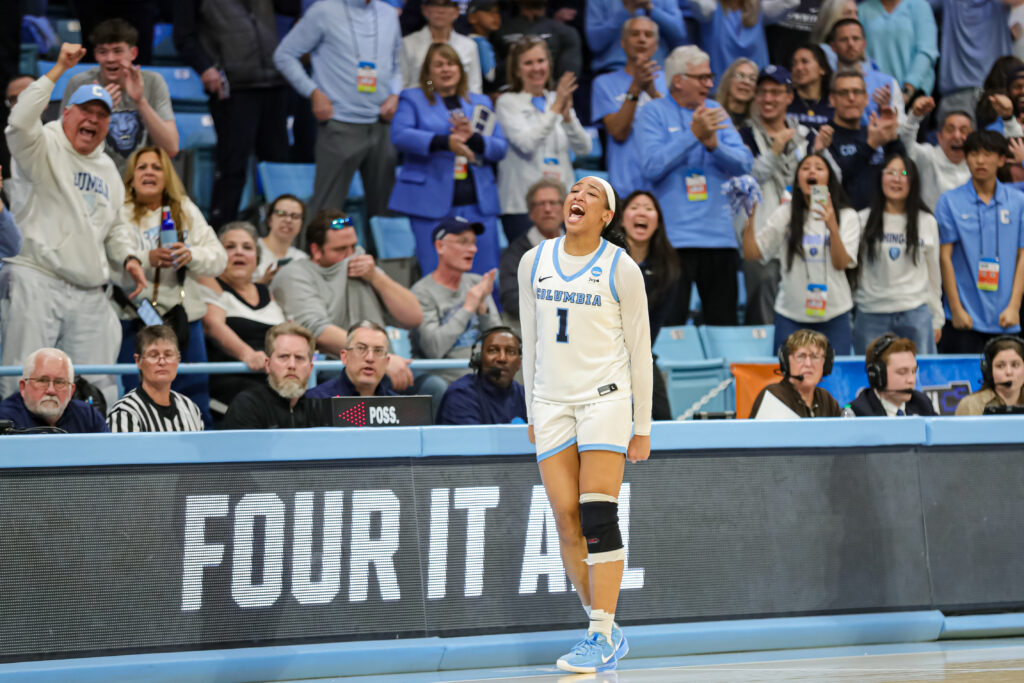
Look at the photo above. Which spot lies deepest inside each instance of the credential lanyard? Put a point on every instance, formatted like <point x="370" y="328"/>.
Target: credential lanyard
<point x="352" y="31"/>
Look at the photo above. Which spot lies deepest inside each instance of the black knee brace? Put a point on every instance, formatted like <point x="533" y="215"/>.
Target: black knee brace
<point x="600" y="522"/>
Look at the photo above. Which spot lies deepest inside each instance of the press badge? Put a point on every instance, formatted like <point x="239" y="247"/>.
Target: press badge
<point x="696" y="186"/>
<point x="461" y="168"/>
<point x="988" y="275"/>
<point x="817" y="299"/>
<point x="366" y="77"/>
<point x="551" y="169"/>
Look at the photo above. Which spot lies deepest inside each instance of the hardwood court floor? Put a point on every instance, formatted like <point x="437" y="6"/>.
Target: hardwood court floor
<point x="970" y="661"/>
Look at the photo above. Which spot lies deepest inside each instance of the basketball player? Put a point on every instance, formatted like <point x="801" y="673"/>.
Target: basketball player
<point x="588" y="376"/>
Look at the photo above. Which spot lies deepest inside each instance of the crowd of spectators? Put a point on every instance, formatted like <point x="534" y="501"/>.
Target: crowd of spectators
<point x="865" y="189"/>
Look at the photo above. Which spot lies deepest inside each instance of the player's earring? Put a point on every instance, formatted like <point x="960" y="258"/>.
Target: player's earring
<point x="430" y="84"/>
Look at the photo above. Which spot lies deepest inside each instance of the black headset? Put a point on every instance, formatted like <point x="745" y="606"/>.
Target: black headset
<point x="988" y="355"/>
<point x="475" y="361"/>
<point x="878" y="372"/>
<point x="830" y="358"/>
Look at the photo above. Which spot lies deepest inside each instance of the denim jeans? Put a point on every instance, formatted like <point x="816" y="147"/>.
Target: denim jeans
<point x="837" y="330"/>
<point x="915" y="325"/>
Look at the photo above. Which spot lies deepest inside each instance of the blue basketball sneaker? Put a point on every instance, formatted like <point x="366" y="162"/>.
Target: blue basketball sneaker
<point x="592" y="654"/>
<point x="620" y="642"/>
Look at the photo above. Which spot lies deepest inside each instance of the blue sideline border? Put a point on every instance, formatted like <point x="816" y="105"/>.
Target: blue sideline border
<point x="292" y="662"/>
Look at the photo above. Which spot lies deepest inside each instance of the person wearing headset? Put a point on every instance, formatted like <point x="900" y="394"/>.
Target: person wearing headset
<point x="891" y="364"/>
<point x="490" y="394"/>
<point x="804" y="358"/>
<point x="1002" y="379"/>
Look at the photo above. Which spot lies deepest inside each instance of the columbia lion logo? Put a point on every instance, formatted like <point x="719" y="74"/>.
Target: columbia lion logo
<point x="125" y="132"/>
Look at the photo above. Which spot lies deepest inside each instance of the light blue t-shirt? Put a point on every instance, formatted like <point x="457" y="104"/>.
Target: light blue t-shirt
<point x="904" y="42"/>
<point x="725" y="39"/>
<point x="974" y="34"/>
<point x="976" y="231"/>
<point x="623" y="159"/>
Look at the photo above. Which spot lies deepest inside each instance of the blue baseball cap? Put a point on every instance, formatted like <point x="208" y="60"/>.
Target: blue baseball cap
<point x="92" y="92"/>
<point x="779" y="74"/>
<point x="456" y="225"/>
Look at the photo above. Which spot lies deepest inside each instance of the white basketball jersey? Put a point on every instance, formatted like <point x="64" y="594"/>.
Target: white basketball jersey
<point x="581" y="351"/>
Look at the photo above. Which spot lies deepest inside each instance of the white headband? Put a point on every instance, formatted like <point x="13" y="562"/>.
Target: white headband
<point x="608" y="192"/>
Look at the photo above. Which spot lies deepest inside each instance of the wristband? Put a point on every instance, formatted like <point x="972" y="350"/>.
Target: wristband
<point x="630" y="97"/>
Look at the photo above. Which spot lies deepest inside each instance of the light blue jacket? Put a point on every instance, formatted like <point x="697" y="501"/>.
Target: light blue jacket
<point x="425" y="185"/>
<point x="670" y="152"/>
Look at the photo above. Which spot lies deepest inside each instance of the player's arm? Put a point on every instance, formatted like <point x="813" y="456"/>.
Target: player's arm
<point x="528" y="326"/>
<point x="636" y="330"/>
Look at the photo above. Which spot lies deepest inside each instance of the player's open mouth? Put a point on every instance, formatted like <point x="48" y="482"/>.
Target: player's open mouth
<point x="576" y="212"/>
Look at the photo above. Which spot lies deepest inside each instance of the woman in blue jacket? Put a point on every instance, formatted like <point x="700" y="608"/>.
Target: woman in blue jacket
<point x="446" y="168"/>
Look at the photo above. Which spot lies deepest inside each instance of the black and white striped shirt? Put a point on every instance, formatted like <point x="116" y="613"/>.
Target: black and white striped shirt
<point x="137" y="412"/>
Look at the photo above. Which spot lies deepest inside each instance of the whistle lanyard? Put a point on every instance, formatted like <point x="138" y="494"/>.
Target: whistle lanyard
<point x="352" y="31"/>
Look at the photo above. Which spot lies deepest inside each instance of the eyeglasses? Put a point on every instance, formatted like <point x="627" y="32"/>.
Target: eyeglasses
<point x="813" y="357"/>
<point x="704" y="78"/>
<point x="157" y="356"/>
<point x="42" y="382"/>
<point x="896" y="174"/>
<point x="281" y="213"/>
<point x="341" y="223"/>
<point x="850" y="92"/>
<point x="364" y="350"/>
<point x="748" y="78"/>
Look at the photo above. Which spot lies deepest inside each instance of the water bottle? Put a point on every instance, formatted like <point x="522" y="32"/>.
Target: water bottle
<point x="848" y="411"/>
<point x="168" y="231"/>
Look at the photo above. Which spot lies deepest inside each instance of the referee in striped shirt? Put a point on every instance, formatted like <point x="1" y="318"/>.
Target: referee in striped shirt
<point x="152" y="406"/>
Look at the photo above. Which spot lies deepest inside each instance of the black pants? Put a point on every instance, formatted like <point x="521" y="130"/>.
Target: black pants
<point x="249" y="121"/>
<point x="962" y="341"/>
<point x="714" y="271"/>
<point x="660" y="407"/>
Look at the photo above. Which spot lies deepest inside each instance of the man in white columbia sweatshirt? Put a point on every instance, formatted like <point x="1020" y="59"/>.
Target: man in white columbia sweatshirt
<point x="942" y="167"/>
<point x="51" y="294"/>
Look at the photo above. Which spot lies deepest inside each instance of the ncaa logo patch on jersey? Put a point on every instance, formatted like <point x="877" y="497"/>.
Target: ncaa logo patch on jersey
<point x="595" y="274"/>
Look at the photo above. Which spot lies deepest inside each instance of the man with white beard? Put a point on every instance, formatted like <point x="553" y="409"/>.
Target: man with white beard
<point x="281" y="404"/>
<point x="44" y="397"/>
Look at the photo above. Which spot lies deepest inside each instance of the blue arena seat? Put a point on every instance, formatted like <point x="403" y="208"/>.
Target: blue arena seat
<point x="681" y="343"/>
<point x="164" y="51"/>
<point x="393" y="236"/>
<point x="184" y="86"/>
<point x="44" y="66"/>
<point x="28" y="57"/>
<point x="688" y="383"/>
<point x="68" y="30"/>
<point x="277" y="179"/>
<point x="502" y="239"/>
<point x="195" y="130"/>
<point x="735" y="343"/>
<point x="400" y="344"/>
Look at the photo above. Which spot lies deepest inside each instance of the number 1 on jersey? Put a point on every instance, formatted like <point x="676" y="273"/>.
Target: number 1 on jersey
<point x="563" y="323"/>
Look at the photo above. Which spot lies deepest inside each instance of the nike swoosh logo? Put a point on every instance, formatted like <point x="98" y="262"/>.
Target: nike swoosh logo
<point x="604" y="660"/>
<point x="542" y="279"/>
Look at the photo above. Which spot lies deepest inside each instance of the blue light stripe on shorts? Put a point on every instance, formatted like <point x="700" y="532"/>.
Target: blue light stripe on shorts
<point x="602" y="447"/>
<point x="556" y="449"/>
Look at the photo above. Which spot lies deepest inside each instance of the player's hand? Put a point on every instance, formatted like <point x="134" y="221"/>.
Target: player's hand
<point x="962" y="319"/>
<point x="639" y="448"/>
<point x="323" y="110"/>
<point x="1010" y="316"/>
<point x="824" y="138"/>
<point x="922" y="107"/>
<point x="531" y="435"/>
<point x="399" y="372"/>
